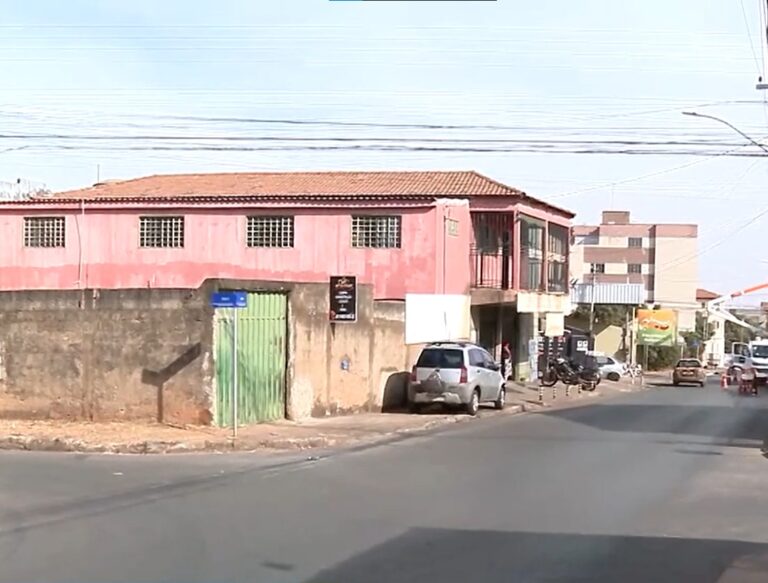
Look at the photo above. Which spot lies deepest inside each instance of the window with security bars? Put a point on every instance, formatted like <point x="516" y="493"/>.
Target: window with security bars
<point x="161" y="232"/>
<point x="376" y="232"/>
<point x="44" y="232"/>
<point x="269" y="232"/>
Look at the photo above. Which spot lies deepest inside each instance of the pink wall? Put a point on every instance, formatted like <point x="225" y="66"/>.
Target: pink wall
<point x="452" y="260"/>
<point x="105" y="243"/>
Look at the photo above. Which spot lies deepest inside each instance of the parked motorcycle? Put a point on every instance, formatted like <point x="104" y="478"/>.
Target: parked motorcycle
<point x="570" y="373"/>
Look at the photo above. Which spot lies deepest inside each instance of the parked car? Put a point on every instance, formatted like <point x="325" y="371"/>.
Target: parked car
<point x="689" y="370"/>
<point x="610" y="368"/>
<point x="456" y="373"/>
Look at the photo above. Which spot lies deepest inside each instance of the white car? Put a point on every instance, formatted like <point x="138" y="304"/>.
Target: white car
<point x="456" y="373"/>
<point x="610" y="368"/>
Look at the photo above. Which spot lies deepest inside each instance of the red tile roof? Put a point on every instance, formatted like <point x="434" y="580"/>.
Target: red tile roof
<point x="378" y="184"/>
<point x="703" y="295"/>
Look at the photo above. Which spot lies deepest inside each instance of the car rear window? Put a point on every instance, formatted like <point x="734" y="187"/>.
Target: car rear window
<point x="688" y="364"/>
<point x="441" y="358"/>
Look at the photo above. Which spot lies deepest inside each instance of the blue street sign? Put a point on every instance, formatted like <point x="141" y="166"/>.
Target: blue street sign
<point x="229" y="299"/>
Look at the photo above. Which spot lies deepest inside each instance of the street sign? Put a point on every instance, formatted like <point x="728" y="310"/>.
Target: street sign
<point x="229" y="299"/>
<point x="343" y="291"/>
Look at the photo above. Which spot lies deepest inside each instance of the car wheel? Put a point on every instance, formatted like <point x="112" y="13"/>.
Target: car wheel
<point x="474" y="403"/>
<point x="501" y="400"/>
<point x="613" y="376"/>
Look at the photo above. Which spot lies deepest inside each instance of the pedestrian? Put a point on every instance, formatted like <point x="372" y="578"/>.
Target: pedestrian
<point x="506" y="360"/>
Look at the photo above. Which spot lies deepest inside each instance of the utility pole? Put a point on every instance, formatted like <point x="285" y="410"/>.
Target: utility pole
<point x="592" y="300"/>
<point x="761" y="84"/>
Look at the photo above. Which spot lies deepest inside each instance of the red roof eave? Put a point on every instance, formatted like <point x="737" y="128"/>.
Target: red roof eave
<point x="214" y="201"/>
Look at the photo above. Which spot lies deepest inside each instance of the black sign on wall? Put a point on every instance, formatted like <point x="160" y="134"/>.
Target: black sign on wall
<point x="343" y="298"/>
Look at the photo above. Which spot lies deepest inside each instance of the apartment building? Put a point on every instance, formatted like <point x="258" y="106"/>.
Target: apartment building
<point x="662" y="257"/>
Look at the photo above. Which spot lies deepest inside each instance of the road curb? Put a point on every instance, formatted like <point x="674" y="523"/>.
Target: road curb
<point x="63" y="444"/>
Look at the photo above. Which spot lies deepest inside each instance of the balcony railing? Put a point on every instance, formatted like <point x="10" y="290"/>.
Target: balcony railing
<point x="491" y="269"/>
<point x="491" y="254"/>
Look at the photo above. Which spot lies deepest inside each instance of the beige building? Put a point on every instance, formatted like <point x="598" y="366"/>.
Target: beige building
<point x="661" y="257"/>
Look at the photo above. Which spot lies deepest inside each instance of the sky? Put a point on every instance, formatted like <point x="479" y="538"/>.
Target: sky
<point x="519" y="91"/>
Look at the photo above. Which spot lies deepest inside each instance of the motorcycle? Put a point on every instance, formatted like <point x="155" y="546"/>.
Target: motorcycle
<point x="570" y="373"/>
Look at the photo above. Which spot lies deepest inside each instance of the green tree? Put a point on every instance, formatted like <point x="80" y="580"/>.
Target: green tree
<point x="694" y="340"/>
<point x="604" y="314"/>
<point x="736" y="333"/>
<point x="661" y="357"/>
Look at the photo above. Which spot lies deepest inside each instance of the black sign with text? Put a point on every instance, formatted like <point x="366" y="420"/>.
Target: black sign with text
<point x="343" y="298"/>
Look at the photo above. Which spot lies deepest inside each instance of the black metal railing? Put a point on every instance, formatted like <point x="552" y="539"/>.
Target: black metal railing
<point x="492" y="270"/>
<point x="491" y="252"/>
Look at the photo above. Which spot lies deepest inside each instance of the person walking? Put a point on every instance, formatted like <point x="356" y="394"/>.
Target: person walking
<point x="506" y="360"/>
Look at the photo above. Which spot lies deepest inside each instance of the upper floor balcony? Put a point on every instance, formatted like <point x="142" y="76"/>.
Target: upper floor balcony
<point x="513" y="251"/>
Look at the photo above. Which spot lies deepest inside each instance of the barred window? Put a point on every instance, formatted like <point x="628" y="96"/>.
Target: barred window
<point x="635" y="242"/>
<point x="161" y="232"/>
<point x="44" y="232"/>
<point x="268" y="231"/>
<point x="376" y="232"/>
<point x="635" y="268"/>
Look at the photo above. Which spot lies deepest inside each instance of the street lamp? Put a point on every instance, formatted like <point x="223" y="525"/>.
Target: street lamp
<point x="730" y="125"/>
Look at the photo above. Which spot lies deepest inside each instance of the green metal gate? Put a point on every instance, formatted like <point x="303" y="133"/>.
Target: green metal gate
<point x="261" y="359"/>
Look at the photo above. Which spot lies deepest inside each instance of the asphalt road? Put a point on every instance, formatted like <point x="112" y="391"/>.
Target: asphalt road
<point x="667" y="485"/>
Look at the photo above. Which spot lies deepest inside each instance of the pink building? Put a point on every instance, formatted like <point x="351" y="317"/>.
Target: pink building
<point x="402" y="232"/>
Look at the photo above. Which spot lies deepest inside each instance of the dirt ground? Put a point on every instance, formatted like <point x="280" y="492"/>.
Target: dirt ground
<point x="283" y="435"/>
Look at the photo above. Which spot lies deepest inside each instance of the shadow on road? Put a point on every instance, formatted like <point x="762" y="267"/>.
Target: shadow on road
<point x="730" y="426"/>
<point x="447" y="556"/>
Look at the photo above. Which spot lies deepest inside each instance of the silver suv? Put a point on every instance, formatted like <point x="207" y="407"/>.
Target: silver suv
<point x="456" y="373"/>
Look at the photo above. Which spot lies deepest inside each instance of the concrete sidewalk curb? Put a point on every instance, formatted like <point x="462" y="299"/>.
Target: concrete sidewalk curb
<point x="34" y="443"/>
<point x="31" y="443"/>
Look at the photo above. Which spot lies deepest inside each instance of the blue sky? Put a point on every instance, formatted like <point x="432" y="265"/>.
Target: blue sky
<point x="546" y="70"/>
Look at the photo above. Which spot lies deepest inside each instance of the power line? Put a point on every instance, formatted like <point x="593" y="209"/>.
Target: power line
<point x="728" y="236"/>
<point x="749" y="35"/>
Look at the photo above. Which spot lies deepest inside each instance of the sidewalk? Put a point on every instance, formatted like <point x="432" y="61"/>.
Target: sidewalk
<point x="364" y="428"/>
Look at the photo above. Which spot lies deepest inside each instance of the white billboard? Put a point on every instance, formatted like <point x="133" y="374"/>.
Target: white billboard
<point x="436" y="317"/>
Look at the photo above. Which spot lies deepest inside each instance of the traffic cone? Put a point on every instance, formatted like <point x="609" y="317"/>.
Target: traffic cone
<point x="724" y="381"/>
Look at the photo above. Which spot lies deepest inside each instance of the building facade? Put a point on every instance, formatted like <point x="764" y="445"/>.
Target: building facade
<point x="714" y="349"/>
<point x="441" y="234"/>
<point x="663" y="258"/>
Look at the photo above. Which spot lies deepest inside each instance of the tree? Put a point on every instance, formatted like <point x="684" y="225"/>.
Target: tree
<point x="662" y="357"/>
<point x="736" y="333"/>
<point x="695" y="339"/>
<point x="604" y="315"/>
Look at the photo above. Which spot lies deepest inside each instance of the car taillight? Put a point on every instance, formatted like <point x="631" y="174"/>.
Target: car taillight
<point x="463" y="378"/>
<point x="413" y="374"/>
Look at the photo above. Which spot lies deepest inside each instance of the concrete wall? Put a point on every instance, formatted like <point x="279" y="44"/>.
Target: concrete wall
<point x="608" y="339"/>
<point x="108" y="355"/>
<point x="102" y="249"/>
<point x="345" y="368"/>
<point x="147" y="355"/>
